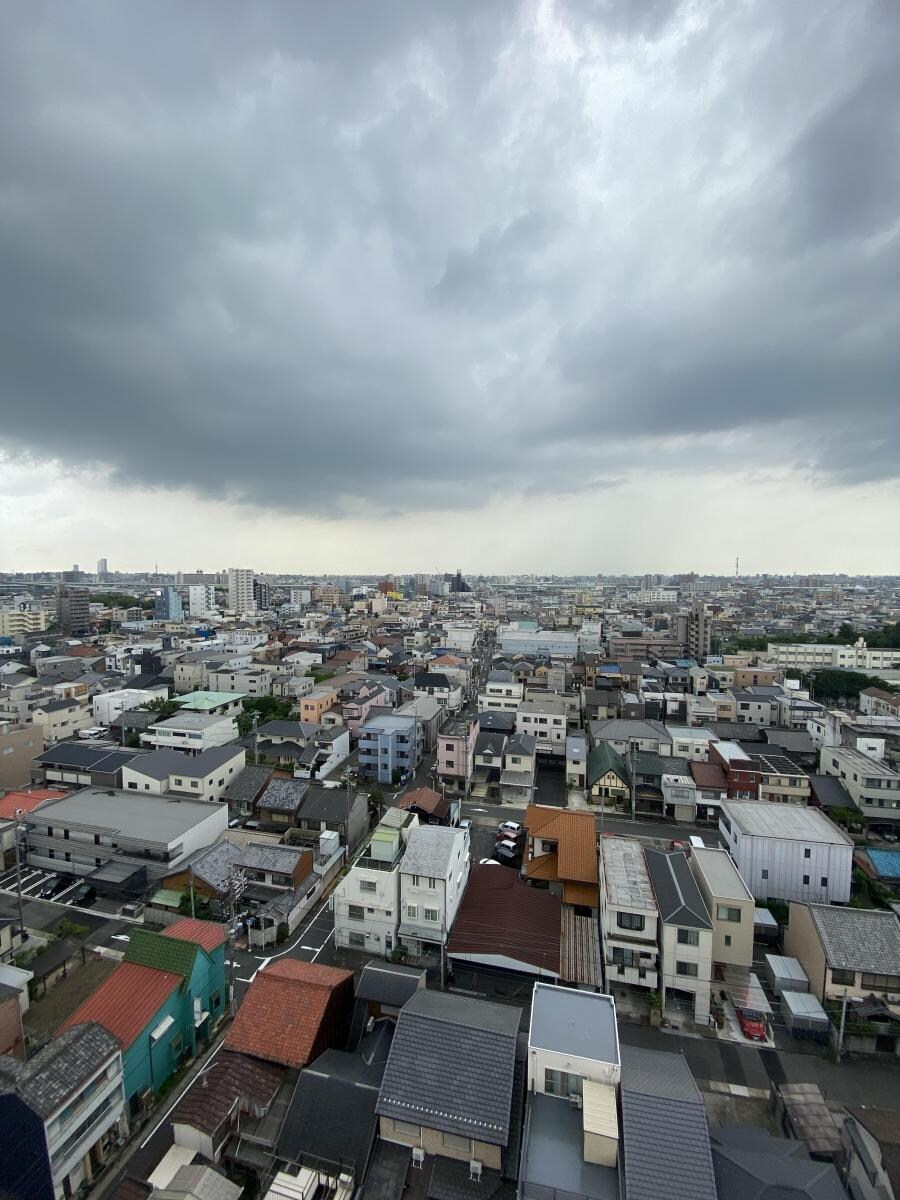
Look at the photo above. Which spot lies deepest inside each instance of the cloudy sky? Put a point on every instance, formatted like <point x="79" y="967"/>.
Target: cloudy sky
<point x="585" y="285"/>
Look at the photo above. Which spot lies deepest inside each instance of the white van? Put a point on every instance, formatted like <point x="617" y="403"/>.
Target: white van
<point x="92" y="734"/>
<point x="697" y="843"/>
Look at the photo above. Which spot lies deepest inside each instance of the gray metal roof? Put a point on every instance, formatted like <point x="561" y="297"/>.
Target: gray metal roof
<point x="60" y="1069"/>
<point x="677" y="895"/>
<point x="858" y="939"/>
<point x="451" y="1066"/>
<point x="160" y="764"/>
<point x="572" y="1022"/>
<point x="429" y="850"/>
<point x="388" y="983"/>
<point x="618" y="729"/>
<point x="284" y="795"/>
<point x="133" y="814"/>
<point x="248" y="785"/>
<point x="86" y="757"/>
<point x="750" y="1164"/>
<point x="665" y="1133"/>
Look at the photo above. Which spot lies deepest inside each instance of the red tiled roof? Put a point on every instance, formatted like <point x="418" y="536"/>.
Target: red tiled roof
<point x="429" y="801"/>
<point x="208" y="934"/>
<point x="127" y="1001"/>
<point x="27" y="801"/>
<point x="284" y="1014"/>
<point x="709" y="775"/>
<point x="231" y="1077"/>
<point x="499" y="914"/>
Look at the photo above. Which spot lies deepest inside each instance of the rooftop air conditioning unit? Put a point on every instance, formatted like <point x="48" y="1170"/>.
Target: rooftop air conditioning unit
<point x="575" y="1099"/>
<point x="418" y="1156"/>
<point x="475" y="1170"/>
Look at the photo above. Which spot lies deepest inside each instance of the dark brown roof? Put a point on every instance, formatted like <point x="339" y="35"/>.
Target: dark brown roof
<point x="500" y="914"/>
<point x="425" y="799"/>
<point x="207" y="1105"/>
<point x="709" y="775"/>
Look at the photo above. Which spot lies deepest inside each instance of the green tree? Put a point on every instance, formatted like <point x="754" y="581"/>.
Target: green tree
<point x="832" y="686"/>
<point x="163" y="708"/>
<point x="265" y="708"/>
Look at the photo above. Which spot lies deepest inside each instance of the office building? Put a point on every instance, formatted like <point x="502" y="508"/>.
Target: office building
<point x="73" y="612"/>
<point x="102" y="568"/>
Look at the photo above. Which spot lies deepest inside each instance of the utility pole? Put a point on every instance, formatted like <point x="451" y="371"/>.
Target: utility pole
<point x="631" y="781"/>
<point x="840" y="1044"/>
<point x="19" y="814"/>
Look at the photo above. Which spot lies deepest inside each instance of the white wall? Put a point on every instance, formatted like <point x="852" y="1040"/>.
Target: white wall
<point x="539" y="1060"/>
<point x="786" y="862"/>
<point x="674" y="952"/>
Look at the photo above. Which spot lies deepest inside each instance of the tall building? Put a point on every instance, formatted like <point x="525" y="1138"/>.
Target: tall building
<point x="262" y="595"/>
<point x="240" y="590"/>
<point x="694" y="630"/>
<point x="74" y="576"/>
<point x="167" y="605"/>
<point x="73" y="611"/>
<point x="201" y="600"/>
<point x="102" y="568"/>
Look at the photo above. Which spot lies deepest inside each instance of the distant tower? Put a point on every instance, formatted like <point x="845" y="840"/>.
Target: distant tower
<point x="737" y="568"/>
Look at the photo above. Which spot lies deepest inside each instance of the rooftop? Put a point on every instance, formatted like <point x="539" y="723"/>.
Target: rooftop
<point x="60" y="1069"/>
<point x="624" y="874"/>
<point x="572" y="1022"/>
<point x="790" y="822"/>
<point x="160" y="764"/>
<point x="147" y="817"/>
<point x="677" y="895"/>
<point x="718" y="869"/>
<point x="127" y="1001"/>
<point x="430" y="850"/>
<point x="858" y="939"/>
<point x="389" y="983"/>
<point x="553" y="1159"/>
<point x="501" y="915"/>
<point x="206" y="701"/>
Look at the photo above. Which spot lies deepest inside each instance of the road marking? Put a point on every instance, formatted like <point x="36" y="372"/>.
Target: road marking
<point x="310" y="947"/>
<point x="322" y="947"/>
<point x="165" y="1115"/>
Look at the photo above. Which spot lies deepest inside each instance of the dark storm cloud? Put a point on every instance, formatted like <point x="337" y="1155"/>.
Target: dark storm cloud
<point x="283" y="253"/>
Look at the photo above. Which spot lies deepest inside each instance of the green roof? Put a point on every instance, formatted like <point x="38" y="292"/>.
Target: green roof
<point x="166" y="898"/>
<point x="204" y="701"/>
<point x="162" y="953"/>
<point x="604" y="758"/>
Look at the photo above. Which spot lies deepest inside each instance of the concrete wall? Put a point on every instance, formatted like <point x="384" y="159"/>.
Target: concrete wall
<point x="434" y="1142"/>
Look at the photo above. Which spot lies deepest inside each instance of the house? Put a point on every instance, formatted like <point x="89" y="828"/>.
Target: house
<point x="785" y="852"/>
<point x="211" y="703"/>
<point x="324" y="752"/>
<point x="339" y="810"/>
<point x="757" y="705"/>
<point x="245" y="789"/>
<point x="448" y="692"/>
<point x="607" y="775"/>
<point x="685" y="935"/>
<point x="161" y="1003"/>
<point x="267" y="870"/>
<point x="625" y="735"/>
<point x="191" y="731"/>
<point x="390" y="748"/>
<point x="846" y="950"/>
<point x="501" y="693"/>
<point x="877" y="702"/>
<point x="279" y="805"/>
<point x="203" y="776"/>
<point x="449" y="1087"/>
<point x="235" y="1089"/>
<point x="429" y="806"/>
<point x="576" y="764"/>
<point x="384" y="988"/>
<point x="20" y="803"/>
<point x="246" y="682"/>
<point x="504" y="923"/>
<point x="489" y="748"/>
<point x="60" y="719"/>
<point x="85" y="764"/>
<point x="628" y="915"/>
<point x="873" y="785"/>
<point x="62" y="1114"/>
<point x="430" y="716"/>
<point x="710" y="789"/>
<point x="665" y="1131"/>
<point x="292" y="1012"/>
<point x="561" y="853"/>
<point x="455" y="755"/>
<point x="729" y="903"/>
<point x="434" y="872"/>
<point x="519" y="767"/>
<point x="497" y="722"/>
<point x="545" y="721"/>
<point x="367" y="899"/>
<point x="570" y="1139"/>
<point x="751" y="1162"/>
<point x="691" y="743"/>
<point x="316" y="703"/>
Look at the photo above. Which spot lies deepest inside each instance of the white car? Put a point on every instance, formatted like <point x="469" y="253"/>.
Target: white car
<point x="510" y="829"/>
<point x="488" y="862"/>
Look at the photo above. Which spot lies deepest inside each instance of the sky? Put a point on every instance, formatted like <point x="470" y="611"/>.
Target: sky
<point x="572" y="286"/>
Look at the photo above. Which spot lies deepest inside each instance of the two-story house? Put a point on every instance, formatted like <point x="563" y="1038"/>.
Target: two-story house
<point x="448" y="692"/>
<point x="628" y="915"/>
<point x="685" y="935"/>
<point x="852" y="951"/>
<point x="367" y="900"/>
<point x="545" y="721"/>
<point x="501" y="693"/>
<point x="456" y="753"/>
<point x="519" y="767"/>
<point x="434" y="872"/>
<point x="191" y="731"/>
<point x="729" y="903"/>
<point x="62" y="1112"/>
<point x="203" y="776"/>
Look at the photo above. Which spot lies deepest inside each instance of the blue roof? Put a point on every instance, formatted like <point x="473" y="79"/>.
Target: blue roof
<point x="886" y="863"/>
<point x="609" y="669"/>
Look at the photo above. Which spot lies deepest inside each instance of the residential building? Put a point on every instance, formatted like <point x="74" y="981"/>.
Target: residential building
<point x="429" y="806"/>
<point x="625" y="735"/>
<point x="427" y="711"/>
<point x="694" y="630"/>
<point x="846" y="951"/>
<point x="245" y="789"/>
<point x="19" y="744"/>
<point x="872" y="785"/>
<point x="191" y="731"/>
<point x="73" y="609"/>
<point x="628" y="915"/>
<point x="449" y="1087"/>
<point x="62" y="1112"/>
<point x="608" y="777"/>
<point x="685" y="935"/>
<point x="12" y="1032"/>
<point x="545" y="721"/>
<point x="787" y="852"/>
<point x="447" y="691"/>
<point x="505" y="924"/>
<point x="316" y="703"/>
<point x="367" y="899"/>
<point x="167" y="605"/>
<point x="576" y="764"/>
<point x="561" y="853"/>
<point x="390" y="748"/>
<point x="241" y="598"/>
<point x="204" y="776"/>
<point x="434" y="872"/>
<point x="807" y="656"/>
<point x="501" y="693"/>
<point x="60" y="719"/>
<point x="88" y="764"/>
<point x="162" y="1003"/>
<point x="570" y="1139"/>
<point x="19" y="623"/>
<point x="756" y="705"/>
<point x="876" y="702"/>
<point x="751" y="1162"/>
<point x="246" y="682"/>
<point x="202" y="600"/>
<point x="455" y="759"/>
<point x="119" y="839"/>
<point x="691" y="743"/>
<point x="268" y="870"/>
<point x="729" y="903"/>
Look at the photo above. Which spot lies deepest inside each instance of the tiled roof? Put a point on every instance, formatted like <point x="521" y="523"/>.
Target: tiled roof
<point x="575" y="834"/>
<point x="284" y="795"/>
<point x="208" y="934"/>
<point x="858" y="939"/>
<point x="426" y="799"/>
<point x="500" y="914"/>
<point x="150" y="949"/>
<point x="429" y="851"/>
<point x="231" y="1076"/>
<point x="126" y="1002"/>
<point x="59" y="1069"/>
<point x="544" y="866"/>
<point x="27" y="801"/>
<point x="585" y="895"/>
<point x="602" y="759"/>
<point x="282" y="1014"/>
<point x="677" y="895"/>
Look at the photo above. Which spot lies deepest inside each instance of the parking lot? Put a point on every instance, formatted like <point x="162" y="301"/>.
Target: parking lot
<point x="34" y="882"/>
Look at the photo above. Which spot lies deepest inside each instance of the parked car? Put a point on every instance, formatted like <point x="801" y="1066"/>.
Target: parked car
<point x="752" y="1023"/>
<point x="54" y="886"/>
<point x="83" y="896"/>
<point x="488" y="862"/>
<point x="510" y="829"/>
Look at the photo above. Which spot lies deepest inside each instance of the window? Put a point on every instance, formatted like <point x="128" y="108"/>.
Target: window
<point x="725" y="913"/>
<point x="626" y="920"/>
<point x="806" y="881"/>
<point x="561" y="1083"/>
<point x="807" y="852"/>
<point x="686" y="968"/>
<point x="727" y="939"/>
<point x="431" y="914"/>
<point x="823" y="882"/>
<point x="412" y="911"/>
<point x="367" y="885"/>
<point x="357" y="940"/>
<point x="626" y="958"/>
<point x="133" y="786"/>
<point x="407" y="1130"/>
<point x="454" y="1142"/>
<point x="415" y="880"/>
<point x="688" y="937"/>
<point x="839" y="975"/>
<point x="356" y="912"/>
<point x="881" y="983"/>
<point x="215" y="1001"/>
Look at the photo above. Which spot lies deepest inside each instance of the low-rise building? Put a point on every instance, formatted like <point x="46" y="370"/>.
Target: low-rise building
<point x="873" y="786"/>
<point x="456" y="753"/>
<point x="505" y="924"/>
<point x="786" y="852"/>
<point x="434" y="872"/>
<point x="852" y="951"/>
<point x="367" y="899"/>
<point x="685" y="935"/>
<point x="628" y="915"/>
<point x="19" y="744"/>
<point x="246" y="682"/>
<point x="501" y="693"/>
<point x="203" y="776"/>
<point x="60" y="719"/>
<point x="545" y="721"/>
<point x="390" y="747"/>
<point x="191" y="731"/>
<point x="730" y="905"/>
<point x="447" y="691"/>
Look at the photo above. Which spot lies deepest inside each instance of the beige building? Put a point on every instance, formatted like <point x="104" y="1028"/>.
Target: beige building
<point x="18" y="623"/>
<point x="730" y="905"/>
<point x="846" y="950"/>
<point x="61" y="719"/>
<point x="317" y="702"/>
<point x="18" y="746"/>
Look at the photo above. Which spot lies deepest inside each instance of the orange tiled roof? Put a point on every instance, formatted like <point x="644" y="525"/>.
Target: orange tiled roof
<point x="208" y="934"/>
<point x="587" y="894"/>
<point x="542" y="867"/>
<point x="281" y="1017"/>
<point x="126" y="1001"/>
<point x="27" y="801"/>
<point x="575" y="834"/>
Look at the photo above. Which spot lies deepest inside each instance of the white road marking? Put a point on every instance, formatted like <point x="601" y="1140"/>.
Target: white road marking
<point x="165" y="1115"/>
<point x="322" y="947"/>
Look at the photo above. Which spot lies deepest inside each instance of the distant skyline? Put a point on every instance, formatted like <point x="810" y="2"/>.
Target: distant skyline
<point x="545" y="286"/>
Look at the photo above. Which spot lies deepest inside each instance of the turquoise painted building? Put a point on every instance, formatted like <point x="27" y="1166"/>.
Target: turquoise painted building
<point x="163" y="1002"/>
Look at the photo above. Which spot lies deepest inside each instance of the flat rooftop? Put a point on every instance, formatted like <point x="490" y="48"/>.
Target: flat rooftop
<point x="136" y="815"/>
<point x="791" y="822"/>
<point x="573" y="1022"/>
<point x="553" y="1160"/>
<point x="724" y="879"/>
<point x="624" y="874"/>
<point x="204" y="701"/>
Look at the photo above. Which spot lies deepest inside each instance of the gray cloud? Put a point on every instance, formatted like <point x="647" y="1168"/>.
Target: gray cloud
<point x="352" y="258"/>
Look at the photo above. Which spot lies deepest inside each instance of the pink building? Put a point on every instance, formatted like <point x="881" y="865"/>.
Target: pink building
<point x="456" y="753"/>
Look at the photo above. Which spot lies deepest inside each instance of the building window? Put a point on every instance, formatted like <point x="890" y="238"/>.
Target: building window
<point x="561" y="1083"/>
<point x="824" y="881"/>
<point x="407" y="1130"/>
<point x="839" y="975"/>
<point x="357" y="940"/>
<point x="881" y="983"/>
<point x="215" y="1000"/>
<point x="626" y="958"/>
<point x="764" y="874"/>
<point x="430" y="914"/>
<point x="807" y="852"/>
<point x="806" y="881"/>
<point x="367" y="885"/>
<point x="727" y="939"/>
<point x="626" y="920"/>
<point x="688" y="937"/>
<point x="412" y="911"/>
<point x="726" y="913"/>
<point x="453" y="1141"/>
<point x="356" y="912"/>
<point x="688" y="969"/>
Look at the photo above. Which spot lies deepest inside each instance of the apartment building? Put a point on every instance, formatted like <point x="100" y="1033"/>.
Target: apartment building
<point x="19" y="623"/>
<point x="244" y="682"/>
<point x="19" y="744"/>
<point x="204" y="776"/>
<point x="545" y="721"/>
<point x="729" y="903"/>
<point x="873" y="786"/>
<point x="191" y="731"/>
<point x="628" y="915"/>
<point x="787" y="852"/>
<point x="241" y="596"/>
<point x="806" y="656"/>
<point x="316" y="703"/>
<point x="685" y="935"/>
<point x="502" y="693"/>
<point x="691" y="743"/>
<point x="60" y="719"/>
<point x="434" y="872"/>
<point x="367" y="899"/>
<point x="390" y="744"/>
<point x="455" y="760"/>
<point x="202" y="600"/>
<point x="756" y="705"/>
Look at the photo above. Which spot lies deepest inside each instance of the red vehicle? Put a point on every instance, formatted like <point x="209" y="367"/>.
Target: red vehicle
<point x="753" y="1024"/>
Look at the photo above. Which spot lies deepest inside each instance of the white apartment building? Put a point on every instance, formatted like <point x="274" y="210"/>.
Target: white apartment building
<point x="433" y="877"/>
<point x="628" y="915"/>
<point x="788" y="851"/>
<point x="459" y="636"/>
<point x="573" y="1038"/>
<point x="191" y="731"/>
<point x="657" y="595"/>
<point x="60" y="719"/>
<point x="501" y="693"/>
<point x="202" y="600"/>
<point x="367" y="899"/>
<point x="685" y="935"/>
<point x="204" y="776"/>
<point x="804" y="656"/>
<point x="730" y="904"/>
<point x="240" y="590"/>
<point x="246" y="682"/>
<point x="873" y="786"/>
<point x="545" y="721"/>
<point x="109" y="706"/>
